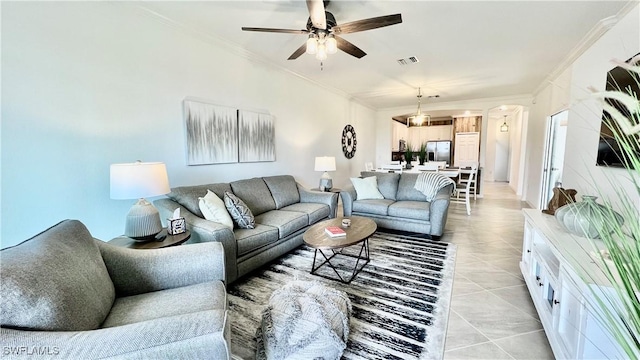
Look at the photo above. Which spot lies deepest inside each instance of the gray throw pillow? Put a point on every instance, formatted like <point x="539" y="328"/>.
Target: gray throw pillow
<point x="239" y="211"/>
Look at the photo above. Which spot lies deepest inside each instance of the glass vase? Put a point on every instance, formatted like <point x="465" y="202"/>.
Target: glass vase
<point x="587" y="218"/>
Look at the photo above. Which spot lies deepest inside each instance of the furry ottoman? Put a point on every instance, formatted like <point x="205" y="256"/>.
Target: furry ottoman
<point x="304" y="320"/>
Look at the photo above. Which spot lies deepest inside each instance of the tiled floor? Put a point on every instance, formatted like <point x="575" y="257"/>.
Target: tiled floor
<point x="491" y="315"/>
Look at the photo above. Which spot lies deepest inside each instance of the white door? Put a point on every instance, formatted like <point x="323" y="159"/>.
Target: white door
<point x="553" y="156"/>
<point x="467" y="147"/>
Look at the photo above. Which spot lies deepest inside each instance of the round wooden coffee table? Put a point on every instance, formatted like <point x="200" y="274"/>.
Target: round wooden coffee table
<point x="360" y="231"/>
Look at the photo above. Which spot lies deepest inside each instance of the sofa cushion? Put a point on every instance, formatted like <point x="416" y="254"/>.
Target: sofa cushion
<point x="378" y="206"/>
<point x="239" y="211"/>
<point x="214" y="209"/>
<point x="408" y="209"/>
<point x="252" y="239"/>
<point x="407" y="190"/>
<point x="55" y="281"/>
<point x="255" y="193"/>
<point x="283" y="189"/>
<point x="158" y="304"/>
<point x="387" y="183"/>
<point x="315" y="212"/>
<point x="188" y="196"/>
<point x="366" y="188"/>
<point x="287" y="222"/>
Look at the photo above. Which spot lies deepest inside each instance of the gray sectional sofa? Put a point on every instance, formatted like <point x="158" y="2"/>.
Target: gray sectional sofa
<point x="283" y="210"/>
<point x="403" y="207"/>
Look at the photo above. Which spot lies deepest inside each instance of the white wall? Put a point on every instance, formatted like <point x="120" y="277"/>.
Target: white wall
<point x="516" y="142"/>
<point x="88" y="84"/>
<point x="590" y="70"/>
<point x="490" y="148"/>
<point x="502" y="150"/>
<point x="569" y="90"/>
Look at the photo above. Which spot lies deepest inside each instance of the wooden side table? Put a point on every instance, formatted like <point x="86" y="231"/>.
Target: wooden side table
<point x="169" y="240"/>
<point x="332" y="190"/>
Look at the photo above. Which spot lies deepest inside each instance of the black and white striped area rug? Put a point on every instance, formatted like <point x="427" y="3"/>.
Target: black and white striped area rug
<point x="400" y="299"/>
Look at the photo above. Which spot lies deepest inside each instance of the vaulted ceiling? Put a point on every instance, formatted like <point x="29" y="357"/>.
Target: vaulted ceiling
<point x="466" y="49"/>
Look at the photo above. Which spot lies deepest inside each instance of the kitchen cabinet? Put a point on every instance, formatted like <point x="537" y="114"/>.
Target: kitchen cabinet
<point x="419" y="134"/>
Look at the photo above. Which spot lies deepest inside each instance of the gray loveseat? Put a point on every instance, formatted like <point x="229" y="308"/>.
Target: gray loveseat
<point x="403" y="207"/>
<point x="283" y="210"/>
<point x="66" y="295"/>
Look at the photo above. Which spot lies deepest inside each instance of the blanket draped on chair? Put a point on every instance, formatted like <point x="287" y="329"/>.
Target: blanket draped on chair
<point x="429" y="183"/>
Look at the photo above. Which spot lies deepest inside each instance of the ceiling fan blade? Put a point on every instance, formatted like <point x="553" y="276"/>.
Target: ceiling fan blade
<point x="349" y="48"/>
<point x="367" y="24"/>
<point x="296" y="54"/>
<point x="316" y="13"/>
<point x="284" y="31"/>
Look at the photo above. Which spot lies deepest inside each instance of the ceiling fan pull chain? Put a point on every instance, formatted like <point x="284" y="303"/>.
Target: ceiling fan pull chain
<point x="321" y="66"/>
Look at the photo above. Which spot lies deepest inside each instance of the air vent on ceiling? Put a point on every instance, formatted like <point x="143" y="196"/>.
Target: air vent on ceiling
<point x="409" y="60"/>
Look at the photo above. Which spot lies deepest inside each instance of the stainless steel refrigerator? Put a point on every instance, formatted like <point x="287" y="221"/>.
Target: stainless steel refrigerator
<point x="439" y="151"/>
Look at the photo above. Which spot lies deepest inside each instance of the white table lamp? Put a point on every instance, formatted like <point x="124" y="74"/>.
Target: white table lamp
<point x="137" y="181"/>
<point x="326" y="164"/>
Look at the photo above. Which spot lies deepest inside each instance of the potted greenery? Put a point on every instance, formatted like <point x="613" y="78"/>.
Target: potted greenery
<point x="408" y="155"/>
<point x="422" y="153"/>
<point x="620" y="258"/>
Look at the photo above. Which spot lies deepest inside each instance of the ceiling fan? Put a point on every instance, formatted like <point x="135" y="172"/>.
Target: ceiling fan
<point x="323" y="31"/>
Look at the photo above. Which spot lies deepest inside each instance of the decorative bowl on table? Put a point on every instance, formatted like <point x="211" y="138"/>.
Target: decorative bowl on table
<point x="587" y="218"/>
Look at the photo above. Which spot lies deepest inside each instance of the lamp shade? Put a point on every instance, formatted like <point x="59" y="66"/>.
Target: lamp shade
<point x="138" y="180"/>
<point x="325" y="163"/>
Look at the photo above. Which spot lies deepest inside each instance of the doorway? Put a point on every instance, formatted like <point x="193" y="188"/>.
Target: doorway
<point x="555" y="141"/>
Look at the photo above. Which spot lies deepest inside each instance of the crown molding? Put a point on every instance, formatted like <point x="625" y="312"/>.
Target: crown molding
<point x="587" y="41"/>
<point x="231" y="47"/>
<point x="472" y="104"/>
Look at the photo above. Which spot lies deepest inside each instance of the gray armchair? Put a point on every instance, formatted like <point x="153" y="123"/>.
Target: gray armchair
<point x="64" y="294"/>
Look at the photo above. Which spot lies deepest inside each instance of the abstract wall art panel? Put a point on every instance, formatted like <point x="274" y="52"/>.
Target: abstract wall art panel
<point x="212" y="133"/>
<point x="256" y="137"/>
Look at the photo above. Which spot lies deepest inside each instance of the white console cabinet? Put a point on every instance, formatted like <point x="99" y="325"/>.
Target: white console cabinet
<point x="554" y="264"/>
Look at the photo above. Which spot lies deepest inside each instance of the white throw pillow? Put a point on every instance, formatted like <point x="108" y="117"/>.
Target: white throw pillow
<point x="366" y="188"/>
<point x="213" y="209"/>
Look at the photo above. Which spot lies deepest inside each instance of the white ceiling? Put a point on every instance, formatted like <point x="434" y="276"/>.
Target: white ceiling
<point x="467" y="49"/>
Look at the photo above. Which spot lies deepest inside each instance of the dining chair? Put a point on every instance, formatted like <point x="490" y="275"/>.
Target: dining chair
<point x="396" y="168"/>
<point x="464" y="189"/>
<point x="466" y="163"/>
<point x="428" y="166"/>
<point x="470" y="175"/>
<point x="368" y="166"/>
<point x="441" y="164"/>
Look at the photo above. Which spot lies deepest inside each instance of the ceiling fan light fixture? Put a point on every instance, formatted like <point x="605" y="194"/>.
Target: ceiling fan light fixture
<point x="322" y="52"/>
<point x="312" y="44"/>
<point x="331" y="44"/>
